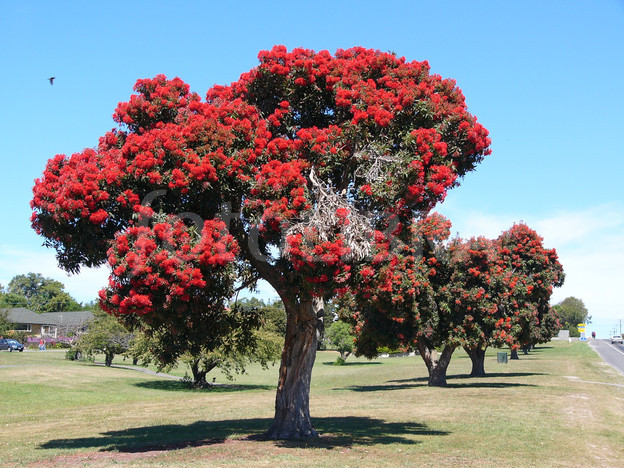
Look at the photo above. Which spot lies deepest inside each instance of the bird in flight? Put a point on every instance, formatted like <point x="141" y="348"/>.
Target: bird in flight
<point x="51" y="80"/>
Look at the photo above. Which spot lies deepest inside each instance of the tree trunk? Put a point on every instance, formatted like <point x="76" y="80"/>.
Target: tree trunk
<point x="514" y="354"/>
<point x="525" y="350"/>
<point x="477" y="356"/>
<point x="292" y="403"/>
<point x="108" y="358"/>
<point x="437" y="364"/>
<point x="199" y="375"/>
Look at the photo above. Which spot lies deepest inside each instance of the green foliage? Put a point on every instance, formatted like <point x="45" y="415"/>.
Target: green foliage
<point x="105" y="334"/>
<point x="38" y="294"/>
<point x="273" y="314"/>
<point x="572" y="311"/>
<point x="263" y="349"/>
<point x="245" y="336"/>
<point x="339" y="361"/>
<point x="5" y="325"/>
<point x="12" y="300"/>
<point x="340" y="338"/>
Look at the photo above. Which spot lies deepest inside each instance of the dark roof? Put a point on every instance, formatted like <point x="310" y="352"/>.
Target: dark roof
<point x="22" y="315"/>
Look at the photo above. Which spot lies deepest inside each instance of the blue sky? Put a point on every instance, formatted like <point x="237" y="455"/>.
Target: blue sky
<point x="545" y="78"/>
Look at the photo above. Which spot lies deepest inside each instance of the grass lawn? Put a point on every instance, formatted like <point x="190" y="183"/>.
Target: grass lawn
<point x="559" y="406"/>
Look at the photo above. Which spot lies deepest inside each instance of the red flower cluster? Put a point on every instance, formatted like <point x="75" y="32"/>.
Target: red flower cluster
<point x="156" y="269"/>
<point x="159" y="101"/>
<point x="324" y="265"/>
<point x="278" y="195"/>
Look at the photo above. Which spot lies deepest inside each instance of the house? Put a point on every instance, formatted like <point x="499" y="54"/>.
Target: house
<point x="51" y="325"/>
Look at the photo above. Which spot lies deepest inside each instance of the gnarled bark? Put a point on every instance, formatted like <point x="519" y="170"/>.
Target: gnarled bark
<point x="437" y="363"/>
<point x="292" y="403"/>
<point x="477" y="356"/>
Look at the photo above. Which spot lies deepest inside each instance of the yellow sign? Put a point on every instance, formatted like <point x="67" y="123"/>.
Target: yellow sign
<point x="581" y="325"/>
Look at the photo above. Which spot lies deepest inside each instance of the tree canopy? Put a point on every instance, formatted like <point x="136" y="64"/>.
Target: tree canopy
<point x="104" y="335"/>
<point x="340" y="338"/>
<point x="572" y="311"/>
<point x="290" y="174"/>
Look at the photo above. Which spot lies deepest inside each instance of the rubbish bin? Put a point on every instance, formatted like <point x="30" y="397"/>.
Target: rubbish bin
<point x="501" y="358"/>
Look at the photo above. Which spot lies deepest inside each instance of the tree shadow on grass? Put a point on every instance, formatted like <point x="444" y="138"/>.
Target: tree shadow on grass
<point x="331" y="363"/>
<point x="334" y="432"/>
<point x="468" y="376"/>
<point x="452" y="382"/>
<point x="180" y="386"/>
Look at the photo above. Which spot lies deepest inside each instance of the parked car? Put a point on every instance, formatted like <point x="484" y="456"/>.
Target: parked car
<point x="617" y="339"/>
<point x="11" y="345"/>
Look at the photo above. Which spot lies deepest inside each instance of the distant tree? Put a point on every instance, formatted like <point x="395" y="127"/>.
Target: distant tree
<point x="550" y="326"/>
<point x="104" y="335"/>
<point x="339" y="337"/>
<point x="39" y="294"/>
<point x="274" y="315"/>
<point x="273" y="312"/>
<point x="263" y="349"/>
<point x="5" y="324"/>
<point x="12" y="300"/>
<point x="91" y="305"/>
<point x="572" y="311"/>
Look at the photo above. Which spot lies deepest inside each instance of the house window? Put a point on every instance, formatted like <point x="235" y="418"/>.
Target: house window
<point x="48" y="330"/>
<point x="27" y="327"/>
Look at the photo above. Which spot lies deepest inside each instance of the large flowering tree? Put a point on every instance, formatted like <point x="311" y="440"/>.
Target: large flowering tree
<point x="283" y="175"/>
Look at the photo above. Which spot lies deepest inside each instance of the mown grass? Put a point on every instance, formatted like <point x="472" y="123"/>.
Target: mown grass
<point x="538" y="411"/>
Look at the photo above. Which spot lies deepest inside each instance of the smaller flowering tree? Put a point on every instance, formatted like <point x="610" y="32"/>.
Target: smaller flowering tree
<point x="402" y="299"/>
<point x="530" y="273"/>
<point x="474" y="290"/>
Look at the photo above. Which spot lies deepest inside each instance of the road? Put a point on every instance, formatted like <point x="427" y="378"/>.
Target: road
<point x="612" y="354"/>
